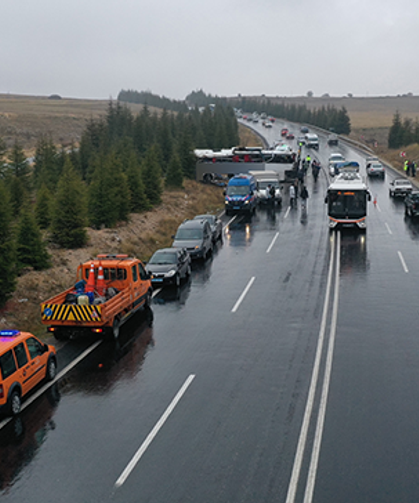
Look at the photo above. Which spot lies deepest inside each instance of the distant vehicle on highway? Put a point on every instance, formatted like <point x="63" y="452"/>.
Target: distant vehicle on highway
<point x="268" y="124"/>
<point x="332" y="139"/>
<point x="334" y="159"/>
<point x="290" y="135"/>
<point x="375" y="168"/>
<point x="284" y="131"/>
<point x="400" y="187"/>
<point x="304" y="129"/>
<point x="411" y="204"/>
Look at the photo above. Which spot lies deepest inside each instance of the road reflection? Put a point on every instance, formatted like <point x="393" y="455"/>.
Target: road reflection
<point x="353" y="254"/>
<point x="412" y="225"/>
<point x="22" y="438"/>
<point x="113" y="361"/>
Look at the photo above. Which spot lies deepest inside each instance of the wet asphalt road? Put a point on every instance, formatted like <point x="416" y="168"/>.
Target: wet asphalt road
<point x="232" y="435"/>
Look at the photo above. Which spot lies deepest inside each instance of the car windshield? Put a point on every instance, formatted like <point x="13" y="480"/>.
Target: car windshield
<point x="163" y="258"/>
<point x="209" y="218"/>
<point x="237" y="190"/>
<point x="336" y="157"/>
<point x="189" y="234"/>
<point x="401" y="182"/>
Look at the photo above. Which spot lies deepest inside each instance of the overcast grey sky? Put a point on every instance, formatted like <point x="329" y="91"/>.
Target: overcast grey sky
<point x="95" y="48"/>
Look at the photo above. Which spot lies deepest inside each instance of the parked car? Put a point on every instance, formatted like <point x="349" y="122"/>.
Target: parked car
<point x="215" y="224"/>
<point x="411" y="204"/>
<point x="400" y="187"/>
<point x="375" y="168"/>
<point x="334" y="159"/>
<point x="25" y="361"/>
<point x="196" y="237"/>
<point x="169" y="266"/>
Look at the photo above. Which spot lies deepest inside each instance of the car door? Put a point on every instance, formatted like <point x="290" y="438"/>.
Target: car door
<point x="37" y="360"/>
<point x="25" y="369"/>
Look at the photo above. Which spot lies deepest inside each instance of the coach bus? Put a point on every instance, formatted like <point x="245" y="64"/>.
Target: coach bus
<point x="347" y="199"/>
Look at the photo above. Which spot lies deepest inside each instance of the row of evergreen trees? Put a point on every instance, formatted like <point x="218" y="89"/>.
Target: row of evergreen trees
<point x="122" y="165"/>
<point x="326" y="117"/>
<point x="403" y="132"/>
<point x="151" y="100"/>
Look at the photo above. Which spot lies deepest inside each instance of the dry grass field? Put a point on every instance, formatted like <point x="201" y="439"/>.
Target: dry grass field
<point x="27" y="118"/>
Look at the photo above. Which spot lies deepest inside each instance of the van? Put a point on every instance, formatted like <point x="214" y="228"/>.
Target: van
<point x="25" y="361"/>
<point x="312" y="141"/>
<point x="263" y="179"/>
<point x="196" y="237"/>
<point x="240" y="195"/>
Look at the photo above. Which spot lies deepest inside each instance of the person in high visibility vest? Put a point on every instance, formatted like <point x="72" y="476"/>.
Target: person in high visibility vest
<point x="406" y="167"/>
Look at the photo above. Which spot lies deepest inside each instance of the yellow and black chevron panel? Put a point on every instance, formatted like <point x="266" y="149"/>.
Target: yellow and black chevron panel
<point x="71" y="312"/>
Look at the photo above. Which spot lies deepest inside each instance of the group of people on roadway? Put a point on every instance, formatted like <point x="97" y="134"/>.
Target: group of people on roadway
<point x="409" y="168"/>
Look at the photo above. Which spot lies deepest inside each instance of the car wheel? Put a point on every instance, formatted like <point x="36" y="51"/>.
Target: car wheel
<point x="391" y="193"/>
<point x="115" y="328"/>
<point x="15" y="403"/>
<point x="51" y="369"/>
<point x="188" y="271"/>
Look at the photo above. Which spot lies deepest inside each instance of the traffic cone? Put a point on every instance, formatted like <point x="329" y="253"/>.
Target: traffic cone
<point x="100" y="283"/>
<point x="90" y="285"/>
<point x="375" y="200"/>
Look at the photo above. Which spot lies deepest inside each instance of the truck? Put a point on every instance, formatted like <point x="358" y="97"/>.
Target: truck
<point x="263" y="179"/>
<point x="108" y="291"/>
<point x="312" y="141"/>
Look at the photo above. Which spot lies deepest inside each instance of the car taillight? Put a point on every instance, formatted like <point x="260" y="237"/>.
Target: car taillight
<point x="1" y="391"/>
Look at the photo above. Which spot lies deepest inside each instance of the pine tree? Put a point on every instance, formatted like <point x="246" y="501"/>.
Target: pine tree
<point x="69" y="216"/>
<point x="18" y="193"/>
<point x="174" y="176"/>
<point x="102" y="195"/>
<point x="46" y="168"/>
<point x="7" y="248"/>
<point x="43" y="207"/>
<point x="151" y="173"/>
<point x="122" y="192"/>
<point x="18" y="166"/>
<point x="395" y="135"/>
<point x="138" y="198"/>
<point x="31" y="250"/>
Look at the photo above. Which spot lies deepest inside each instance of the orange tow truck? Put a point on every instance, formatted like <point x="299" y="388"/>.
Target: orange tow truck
<point x="108" y="290"/>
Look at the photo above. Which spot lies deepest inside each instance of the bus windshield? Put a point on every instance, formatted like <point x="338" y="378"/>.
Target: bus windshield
<point x="347" y="203"/>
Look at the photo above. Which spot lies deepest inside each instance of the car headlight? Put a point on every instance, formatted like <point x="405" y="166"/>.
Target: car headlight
<point x="246" y="202"/>
<point x="171" y="273"/>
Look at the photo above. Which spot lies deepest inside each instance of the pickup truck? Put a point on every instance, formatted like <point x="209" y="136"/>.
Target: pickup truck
<point x="108" y="290"/>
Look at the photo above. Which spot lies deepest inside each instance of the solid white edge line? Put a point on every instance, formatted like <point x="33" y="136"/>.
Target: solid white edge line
<point x="402" y="261"/>
<point x="295" y="474"/>
<point x="312" y="472"/>
<point x="143" y="447"/>
<point x="243" y="295"/>
<point x="272" y="242"/>
<point x="378" y="207"/>
<point x="388" y="228"/>
<point x="57" y="377"/>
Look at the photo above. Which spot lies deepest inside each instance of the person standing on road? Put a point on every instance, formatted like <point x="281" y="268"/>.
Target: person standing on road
<point x="304" y="196"/>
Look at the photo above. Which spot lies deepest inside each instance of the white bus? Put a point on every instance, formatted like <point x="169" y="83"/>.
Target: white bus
<point x="346" y="200"/>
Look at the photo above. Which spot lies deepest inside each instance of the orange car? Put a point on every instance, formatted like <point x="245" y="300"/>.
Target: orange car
<point x="24" y="362"/>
